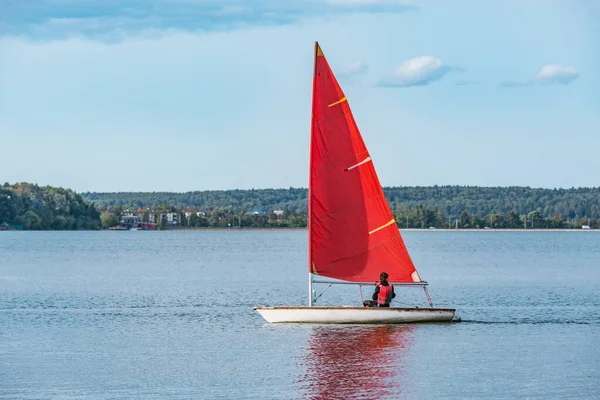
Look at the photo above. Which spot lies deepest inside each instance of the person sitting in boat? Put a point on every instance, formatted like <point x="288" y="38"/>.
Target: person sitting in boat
<point x="384" y="292"/>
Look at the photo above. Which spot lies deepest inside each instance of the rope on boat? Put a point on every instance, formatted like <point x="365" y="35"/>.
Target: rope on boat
<point x="315" y="300"/>
<point x="362" y="301"/>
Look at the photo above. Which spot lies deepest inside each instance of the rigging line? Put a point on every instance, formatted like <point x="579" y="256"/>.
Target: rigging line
<point x="361" y="295"/>
<point x="315" y="300"/>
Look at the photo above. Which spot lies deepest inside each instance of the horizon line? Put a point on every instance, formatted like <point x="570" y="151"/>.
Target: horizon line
<point x="384" y="187"/>
<point x="305" y="188"/>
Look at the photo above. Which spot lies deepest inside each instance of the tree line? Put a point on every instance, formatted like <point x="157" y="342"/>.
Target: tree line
<point x="44" y="207"/>
<point x="32" y="207"/>
<point x="419" y="217"/>
<point x="424" y="217"/>
<point x="291" y="199"/>
<point x="571" y="203"/>
<point x="219" y="217"/>
<point x="226" y="217"/>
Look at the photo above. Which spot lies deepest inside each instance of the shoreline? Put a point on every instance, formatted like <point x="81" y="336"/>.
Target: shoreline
<point x="303" y="229"/>
<point x="401" y="229"/>
<point x="500" y="230"/>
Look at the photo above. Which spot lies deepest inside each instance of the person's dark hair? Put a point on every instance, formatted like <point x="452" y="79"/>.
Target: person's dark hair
<point x="383" y="277"/>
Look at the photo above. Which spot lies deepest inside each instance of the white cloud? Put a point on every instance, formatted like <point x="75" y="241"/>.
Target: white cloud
<point x="555" y="73"/>
<point x="549" y="74"/>
<point x="418" y="71"/>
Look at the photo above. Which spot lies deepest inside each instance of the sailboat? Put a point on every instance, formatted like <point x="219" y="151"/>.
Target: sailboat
<point x="353" y="236"/>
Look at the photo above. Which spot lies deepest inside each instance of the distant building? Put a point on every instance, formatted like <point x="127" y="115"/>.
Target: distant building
<point x="172" y="218"/>
<point x="189" y="213"/>
<point x="256" y="212"/>
<point x="129" y="219"/>
<point x="151" y="217"/>
<point x="585" y="227"/>
<point x="279" y="213"/>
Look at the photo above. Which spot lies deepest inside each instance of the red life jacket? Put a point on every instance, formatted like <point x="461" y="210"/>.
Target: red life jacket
<point x="384" y="293"/>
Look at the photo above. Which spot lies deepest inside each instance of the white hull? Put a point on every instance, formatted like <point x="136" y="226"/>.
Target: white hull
<point x="354" y="315"/>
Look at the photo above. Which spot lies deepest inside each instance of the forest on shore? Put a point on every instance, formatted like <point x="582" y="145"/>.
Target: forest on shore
<point x="32" y="207"/>
<point x="451" y="200"/>
<point x="414" y="207"/>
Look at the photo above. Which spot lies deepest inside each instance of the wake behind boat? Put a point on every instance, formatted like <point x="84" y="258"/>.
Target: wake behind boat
<point x="353" y="236"/>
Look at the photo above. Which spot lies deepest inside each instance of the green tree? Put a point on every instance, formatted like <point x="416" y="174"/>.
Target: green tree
<point x="426" y="216"/>
<point x="555" y="222"/>
<point x="512" y="221"/>
<point x="524" y="221"/>
<point x="193" y="219"/>
<point x="30" y="221"/>
<point x="464" y="220"/>
<point x="109" y="219"/>
<point x="535" y="220"/>
<point x="184" y="221"/>
<point x="475" y="222"/>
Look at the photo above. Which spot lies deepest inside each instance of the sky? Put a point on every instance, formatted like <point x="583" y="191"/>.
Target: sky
<point x="180" y="95"/>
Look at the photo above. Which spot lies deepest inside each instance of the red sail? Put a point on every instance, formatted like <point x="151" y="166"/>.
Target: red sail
<point x="352" y="232"/>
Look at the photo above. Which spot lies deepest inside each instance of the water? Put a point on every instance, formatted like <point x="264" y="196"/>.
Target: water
<point x="155" y="315"/>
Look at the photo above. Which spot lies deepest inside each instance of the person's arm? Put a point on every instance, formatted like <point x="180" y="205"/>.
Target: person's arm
<point x="393" y="293"/>
<point x="375" y="293"/>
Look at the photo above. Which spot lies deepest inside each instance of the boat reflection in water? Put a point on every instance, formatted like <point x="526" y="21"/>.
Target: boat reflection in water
<point x="348" y="362"/>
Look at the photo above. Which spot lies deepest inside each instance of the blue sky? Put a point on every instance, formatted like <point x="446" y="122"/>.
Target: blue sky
<point x="178" y="95"/>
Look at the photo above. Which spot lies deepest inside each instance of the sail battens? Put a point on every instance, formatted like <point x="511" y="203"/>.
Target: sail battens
<point x="383" y="226"/>
<point x="366" y="160"/>
<point x="354" y="256"/>
<point x="343" y="99"/>
<point x="346" y="209"/>
<point x="338" y="163"/>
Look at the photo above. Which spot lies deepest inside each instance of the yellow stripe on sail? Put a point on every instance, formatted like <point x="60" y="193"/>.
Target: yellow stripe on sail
<point x="319" y="51"/>
<point x="343" y="99"/>
<point x="383" y="226"/>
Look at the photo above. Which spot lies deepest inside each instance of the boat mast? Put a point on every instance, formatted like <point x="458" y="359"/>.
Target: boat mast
<point x="310" y="275"/>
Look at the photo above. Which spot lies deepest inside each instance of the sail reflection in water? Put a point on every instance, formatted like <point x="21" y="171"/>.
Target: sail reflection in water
<point x="356" y="361"/>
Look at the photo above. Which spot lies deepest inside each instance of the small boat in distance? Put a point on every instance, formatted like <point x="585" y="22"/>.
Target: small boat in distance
<point x="353" y="236"/>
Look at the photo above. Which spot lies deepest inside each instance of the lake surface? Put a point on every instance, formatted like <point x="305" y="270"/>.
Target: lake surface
<point x="168" y="315"/>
